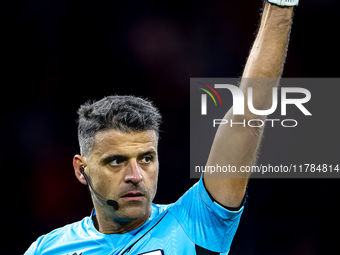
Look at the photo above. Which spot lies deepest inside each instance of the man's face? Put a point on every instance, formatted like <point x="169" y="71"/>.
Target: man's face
<point x="124" y="167"/>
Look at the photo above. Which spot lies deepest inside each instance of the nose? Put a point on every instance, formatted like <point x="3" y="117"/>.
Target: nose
<point x="133" y="173"/>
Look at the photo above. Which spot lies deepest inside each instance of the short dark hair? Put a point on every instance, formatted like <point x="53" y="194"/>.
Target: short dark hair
<point x="123" y="113"/>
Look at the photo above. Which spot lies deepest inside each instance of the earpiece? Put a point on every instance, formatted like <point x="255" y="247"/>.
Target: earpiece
<point x="109" y="202"/>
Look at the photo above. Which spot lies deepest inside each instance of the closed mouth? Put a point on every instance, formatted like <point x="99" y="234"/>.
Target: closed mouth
<point x="133" y="194"/>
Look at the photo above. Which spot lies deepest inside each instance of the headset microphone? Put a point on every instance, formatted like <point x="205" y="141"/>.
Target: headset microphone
<point x="109" y="202"/>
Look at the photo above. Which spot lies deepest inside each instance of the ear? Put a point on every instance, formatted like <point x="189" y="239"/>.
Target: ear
<point x="78" y="162"/>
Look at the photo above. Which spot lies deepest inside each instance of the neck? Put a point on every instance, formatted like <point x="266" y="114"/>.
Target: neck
<point x="109" y="225"/>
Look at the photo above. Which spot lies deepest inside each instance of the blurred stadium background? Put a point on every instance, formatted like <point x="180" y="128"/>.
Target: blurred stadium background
<point x="58" y="54"/>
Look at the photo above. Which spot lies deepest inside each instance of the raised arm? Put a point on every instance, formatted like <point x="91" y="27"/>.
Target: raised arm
<point x="238" y="145"/>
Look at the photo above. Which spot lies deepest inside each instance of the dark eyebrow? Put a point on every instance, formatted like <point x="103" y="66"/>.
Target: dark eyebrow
<point x="112" y="157"/>
<point x="150" y="152"/>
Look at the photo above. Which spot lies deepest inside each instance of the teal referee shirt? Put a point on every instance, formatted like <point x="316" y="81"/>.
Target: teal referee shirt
<point x="195" y="224"/>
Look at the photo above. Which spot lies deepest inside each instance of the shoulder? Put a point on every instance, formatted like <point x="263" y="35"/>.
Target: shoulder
<point x="68" y="232"/>
<point x="197" y="199"/>
<point x="200" y="217"/>
<point x="71" y="230"/>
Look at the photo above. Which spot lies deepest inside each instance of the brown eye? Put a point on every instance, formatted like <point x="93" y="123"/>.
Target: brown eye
<point x="146" y="159"/>
<point x="116" y="162"/>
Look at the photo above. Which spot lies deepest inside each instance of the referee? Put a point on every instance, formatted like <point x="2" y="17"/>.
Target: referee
<point x="118" y="138"/>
